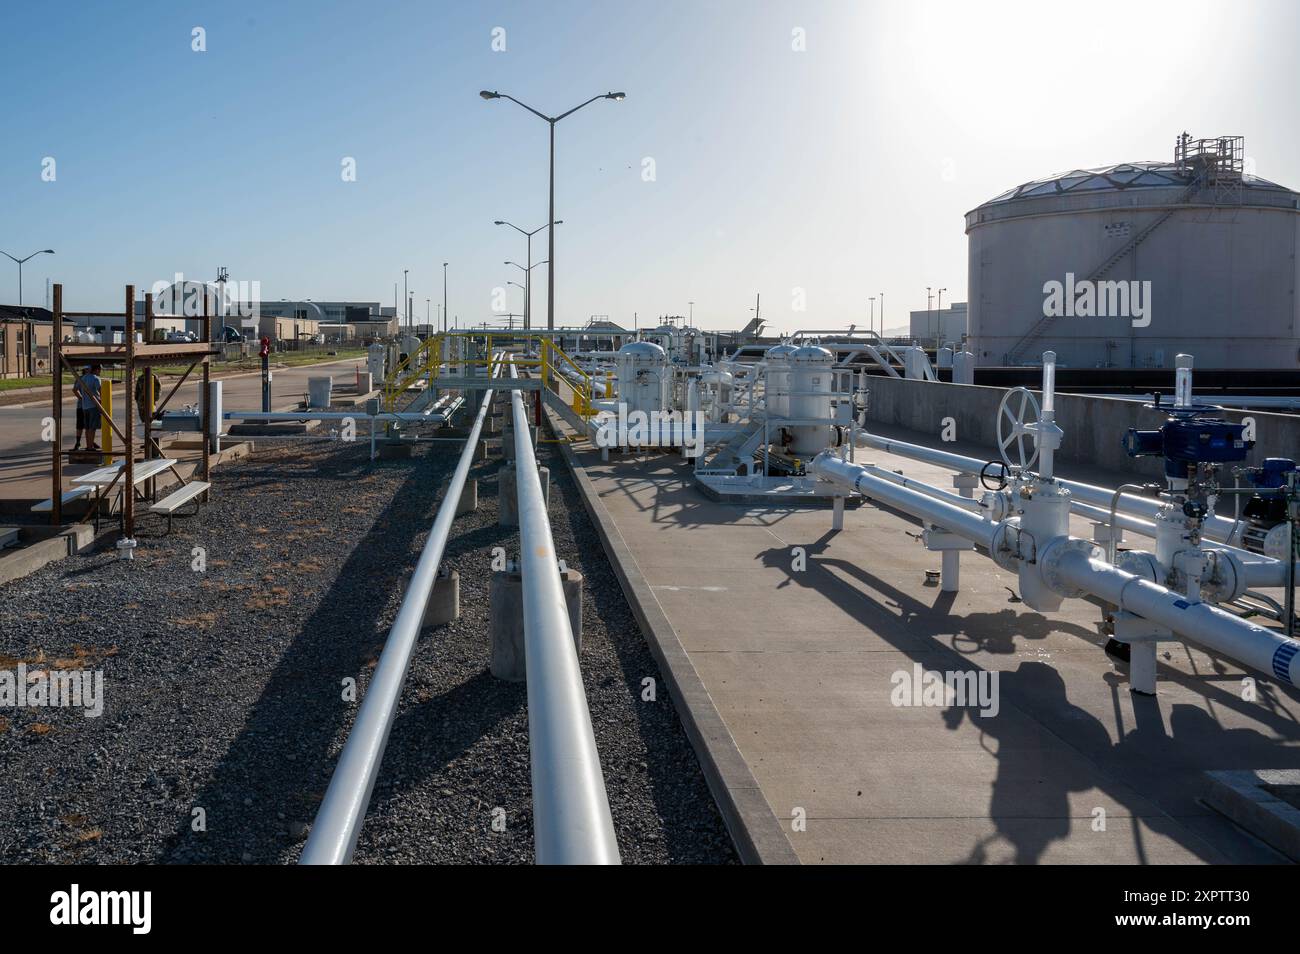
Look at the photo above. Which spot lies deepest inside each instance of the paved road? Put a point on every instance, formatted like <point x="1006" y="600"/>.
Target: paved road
<point x="21" y="446"/>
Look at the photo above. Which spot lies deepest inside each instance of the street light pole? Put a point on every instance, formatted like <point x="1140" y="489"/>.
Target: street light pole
<point x="872" y="325"/>
<point x="444" y="296"/>
<point x="44" y="251"/>
<point x="405" y="302"/>
<point x="552" y="120"/>
<point x="938" y="318"/>
<point x="528" y="280"/>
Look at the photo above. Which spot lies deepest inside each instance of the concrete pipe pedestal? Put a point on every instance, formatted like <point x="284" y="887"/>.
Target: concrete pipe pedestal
<point x="444" y="601"/>
<point x="506" y="621"/>
<point x="508" y="496"/>
<point x="468" y="502"/>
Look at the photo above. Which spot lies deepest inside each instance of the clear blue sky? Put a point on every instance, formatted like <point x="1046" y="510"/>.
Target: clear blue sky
<point x="843" y="169"/>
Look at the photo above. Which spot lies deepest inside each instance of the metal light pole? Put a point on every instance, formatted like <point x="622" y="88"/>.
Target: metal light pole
<point x="872" y="299"/>
<point x="929" y="307"/>
<point x="406" y="304"/>
<point x="427" y="319"/>
<point x="938" y="317"/>
<point x="528" y="295"/>
<point x="551" y="120"/>
<point x="44" y="251"/>
<point x="444" y="296"/>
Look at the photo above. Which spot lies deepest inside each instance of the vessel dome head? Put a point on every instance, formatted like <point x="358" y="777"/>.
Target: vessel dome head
<point x="1105" y="186"/>
<point x="646" y="350"/>
<point x="811" y="354"/>
<point x="779" y="352"/>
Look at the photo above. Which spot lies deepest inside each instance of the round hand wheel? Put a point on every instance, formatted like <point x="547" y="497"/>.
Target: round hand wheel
<point x="1001" y="478"/>
<point x="1011" y="427"/>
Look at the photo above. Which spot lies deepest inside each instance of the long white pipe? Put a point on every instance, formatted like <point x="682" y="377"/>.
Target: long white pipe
<point x="343" y="811"/>
<point x="571" y="819"/>
<point x="1255" y="646"/>
<point x="947" y="496"/>
<point x="1215" y="629"/>
<point x="1220" y="529"/>
<point x="856" y="477"/>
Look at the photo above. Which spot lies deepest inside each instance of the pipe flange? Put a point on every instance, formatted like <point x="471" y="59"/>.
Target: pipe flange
<point x="1003" y="547"/>
<point x="1050" y="560"/>
<point x="1227" y="577"/>
<point x="1141" y="564"/>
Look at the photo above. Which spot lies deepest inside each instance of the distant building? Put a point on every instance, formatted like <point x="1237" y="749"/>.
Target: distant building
<point x="25" y="335"/>
<point x="948" y="325"/>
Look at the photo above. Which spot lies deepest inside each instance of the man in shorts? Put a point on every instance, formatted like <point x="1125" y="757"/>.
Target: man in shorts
<point x="87" y="390"/>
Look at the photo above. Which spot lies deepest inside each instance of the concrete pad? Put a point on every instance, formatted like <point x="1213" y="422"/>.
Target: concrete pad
<point x="797" y="664"/>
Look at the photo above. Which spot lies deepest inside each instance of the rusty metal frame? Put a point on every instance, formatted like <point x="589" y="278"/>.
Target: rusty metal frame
<point x="129" y="358"/>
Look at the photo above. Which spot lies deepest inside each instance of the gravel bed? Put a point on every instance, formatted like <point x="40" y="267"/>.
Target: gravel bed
<point x="224" y="688"/>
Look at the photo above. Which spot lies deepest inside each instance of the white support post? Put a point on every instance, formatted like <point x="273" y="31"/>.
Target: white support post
<point x="1142" y="638"/>
<point x="837" y="513"/>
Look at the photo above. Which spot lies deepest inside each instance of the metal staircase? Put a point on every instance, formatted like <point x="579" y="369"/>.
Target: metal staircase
<point x="1214" y="166"/>
<point x="1047" y="321"/>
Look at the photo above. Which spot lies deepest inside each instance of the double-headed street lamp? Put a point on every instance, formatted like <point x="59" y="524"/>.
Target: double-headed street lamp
<point x="528" y="294"/>
<point x="551" y="120"/>
<point x="44" y="251"/>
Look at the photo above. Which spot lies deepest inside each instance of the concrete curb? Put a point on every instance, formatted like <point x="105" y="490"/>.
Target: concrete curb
<point x="757" y="834"/>
<point x="1244" y="796"/>
<point x="14" y="565"/>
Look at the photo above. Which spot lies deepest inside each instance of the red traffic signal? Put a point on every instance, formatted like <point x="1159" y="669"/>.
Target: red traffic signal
<point x="266" y="347"/>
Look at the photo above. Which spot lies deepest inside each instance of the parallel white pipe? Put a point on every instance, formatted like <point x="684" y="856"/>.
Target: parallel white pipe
<point x="947" y="496"/>
<point x="571" y="819"/>
<point x="343" y="811"/>
<point x="1256" y="646"/>
<point x="948" y="516"/>
<point x="1220" y="529"/>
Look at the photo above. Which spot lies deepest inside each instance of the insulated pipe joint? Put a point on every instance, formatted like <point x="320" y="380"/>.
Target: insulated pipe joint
<point x="1049" y="563"/>
<point x="1141" y="564"/>
<point x="1225" y="579"/>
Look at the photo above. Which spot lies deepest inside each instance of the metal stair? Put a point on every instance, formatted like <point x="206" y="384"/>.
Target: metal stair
<point x="1043" y="324"/>
<point x="735" y="450"/>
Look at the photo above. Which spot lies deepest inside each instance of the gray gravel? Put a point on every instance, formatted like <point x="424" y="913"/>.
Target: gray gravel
<point x="224" y="688"/>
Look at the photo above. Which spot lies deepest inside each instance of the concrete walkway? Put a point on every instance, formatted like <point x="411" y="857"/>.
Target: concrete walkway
<point x="801" y="665"/>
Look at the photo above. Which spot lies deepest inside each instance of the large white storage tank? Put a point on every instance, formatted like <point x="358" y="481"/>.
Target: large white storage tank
<point x="1217" y="246"/>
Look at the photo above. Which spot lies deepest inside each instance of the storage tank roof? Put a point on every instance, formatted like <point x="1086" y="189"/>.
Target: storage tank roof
<point x="1124" y="175"/>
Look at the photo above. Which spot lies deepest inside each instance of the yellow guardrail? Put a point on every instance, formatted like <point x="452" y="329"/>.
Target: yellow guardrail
<point x="441" y="349"/>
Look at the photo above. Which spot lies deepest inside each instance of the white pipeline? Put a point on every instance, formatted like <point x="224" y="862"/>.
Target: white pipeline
<point x="948" y="516"/>
<point x="1214" y="629"/>
<point x="1255" y="646"/>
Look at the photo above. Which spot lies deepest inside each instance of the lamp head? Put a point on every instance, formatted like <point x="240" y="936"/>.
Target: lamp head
<point x="616" y="97"/>
<point x="486" y="94"/>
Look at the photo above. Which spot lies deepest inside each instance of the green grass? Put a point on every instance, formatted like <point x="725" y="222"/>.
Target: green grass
<point x="291" y="359"/>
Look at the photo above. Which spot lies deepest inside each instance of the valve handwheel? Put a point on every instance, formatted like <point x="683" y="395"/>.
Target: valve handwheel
<point x="999" y="479"/>
<point x="1011" y="427"/>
